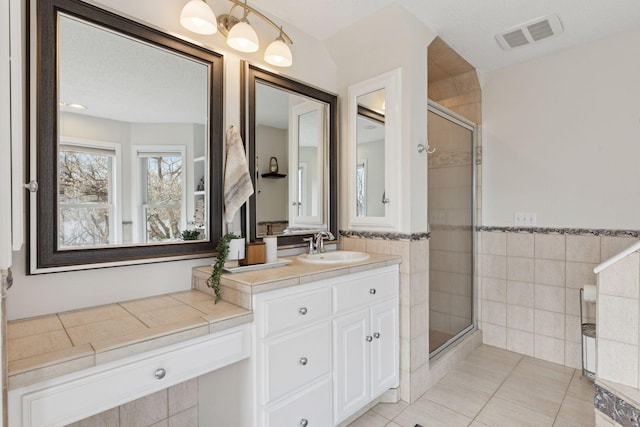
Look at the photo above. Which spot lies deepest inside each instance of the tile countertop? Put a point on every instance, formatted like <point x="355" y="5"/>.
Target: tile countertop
<point x="238" y="287"/>
<point x="45" y="347"/>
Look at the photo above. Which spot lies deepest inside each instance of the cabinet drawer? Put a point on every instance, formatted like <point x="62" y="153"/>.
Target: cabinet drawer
<point x="97" y="389"/>
<point x="312" y="405"/>
<point x="295" y="310"/>
<point x="363" y="291"/>
<point x="296" y="360"/>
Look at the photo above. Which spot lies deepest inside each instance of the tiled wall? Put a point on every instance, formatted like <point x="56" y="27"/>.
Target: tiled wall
<point x="529" y="290"/>
<point x="618" y="323"/>
<point x="175" y="406"/>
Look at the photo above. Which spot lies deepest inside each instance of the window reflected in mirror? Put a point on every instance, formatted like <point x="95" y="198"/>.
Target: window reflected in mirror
<point x="148" y="105"/>
<point x="370" y="155"/>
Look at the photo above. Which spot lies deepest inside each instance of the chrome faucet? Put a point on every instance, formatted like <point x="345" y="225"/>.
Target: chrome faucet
<point x="320" y="240"/>
<point x="316" y="244"/>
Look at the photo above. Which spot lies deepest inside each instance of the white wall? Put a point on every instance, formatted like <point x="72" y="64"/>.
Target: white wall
<point x="561" y="138"/>
<point x="42" y="294"/>
<point x="363" y="51"/>
<point x="273" y="194"/>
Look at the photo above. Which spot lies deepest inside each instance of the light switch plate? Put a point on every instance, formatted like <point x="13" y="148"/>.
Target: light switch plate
<point x="524" y="219"/>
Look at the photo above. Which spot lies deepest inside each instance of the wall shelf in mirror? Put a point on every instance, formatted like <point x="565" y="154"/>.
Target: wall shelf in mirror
<point x="272" y="175"/>
<point x="120" y="181"/>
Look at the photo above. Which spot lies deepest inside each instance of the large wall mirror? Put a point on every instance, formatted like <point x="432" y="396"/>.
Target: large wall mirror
<point x="128" y="138"/>
<point x="292" y="139"/>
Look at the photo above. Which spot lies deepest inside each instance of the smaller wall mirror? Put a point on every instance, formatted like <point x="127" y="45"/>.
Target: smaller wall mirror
<point x="295" y="124"/>
<point x="374" y="111"/>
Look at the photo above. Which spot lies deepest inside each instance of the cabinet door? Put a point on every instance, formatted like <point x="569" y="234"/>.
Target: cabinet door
<point x="385" y="352"/>
<point x="351" y="363"/>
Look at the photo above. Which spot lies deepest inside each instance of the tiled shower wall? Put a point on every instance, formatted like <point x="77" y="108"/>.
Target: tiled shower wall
<point x="529" y="286"/>
<point x="175" y="406"/>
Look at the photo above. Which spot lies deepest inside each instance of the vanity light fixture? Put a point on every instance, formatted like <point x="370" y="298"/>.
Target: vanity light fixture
<point x="240" y="35"/>
<point x="198" y="17"/>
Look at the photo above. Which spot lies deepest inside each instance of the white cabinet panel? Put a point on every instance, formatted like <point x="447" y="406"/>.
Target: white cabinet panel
<point x="385" y="351"/>
<point x="294" y="311"/>
<point x="311" y="407"/>
<point x="352" y="368"/>
<point x="296" y="360"/>
<point x="364" y="291"/>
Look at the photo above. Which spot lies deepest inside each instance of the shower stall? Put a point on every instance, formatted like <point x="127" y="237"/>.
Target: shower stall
<point x="451" y="214"/>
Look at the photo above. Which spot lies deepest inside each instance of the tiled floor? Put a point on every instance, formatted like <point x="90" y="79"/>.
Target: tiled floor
<point x="495" y="387"/>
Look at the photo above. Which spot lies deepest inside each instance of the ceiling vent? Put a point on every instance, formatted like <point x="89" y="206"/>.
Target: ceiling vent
<point x="530" y="32"/>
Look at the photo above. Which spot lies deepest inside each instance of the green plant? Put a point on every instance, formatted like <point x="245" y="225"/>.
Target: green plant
<point x="190" y="235"/>
<point x="223" y="252"/>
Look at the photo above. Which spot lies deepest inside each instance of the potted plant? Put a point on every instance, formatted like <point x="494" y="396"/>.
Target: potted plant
<point x="190" y="235"/>
<point x="223" y="252"/>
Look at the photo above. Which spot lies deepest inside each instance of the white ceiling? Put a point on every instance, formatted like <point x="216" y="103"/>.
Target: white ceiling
<point x="470" y="26"/>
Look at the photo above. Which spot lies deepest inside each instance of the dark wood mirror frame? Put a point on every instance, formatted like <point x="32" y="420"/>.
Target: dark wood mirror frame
<point x="254" y="75"/>
<point x="46" y="128"/>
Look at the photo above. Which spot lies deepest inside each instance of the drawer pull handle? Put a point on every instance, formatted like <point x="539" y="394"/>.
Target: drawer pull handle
<point x="372" y="291"/>
<point x="302" y="310"/>
<point x="376" y="335"/>
<point x="160" y="373"/>
<point x="304" y="422"/>
<point x="369" y="338"/>
<point x="303" y="361"/>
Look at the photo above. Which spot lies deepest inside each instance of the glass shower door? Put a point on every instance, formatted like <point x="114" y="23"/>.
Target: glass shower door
<point x="451" y="219"/>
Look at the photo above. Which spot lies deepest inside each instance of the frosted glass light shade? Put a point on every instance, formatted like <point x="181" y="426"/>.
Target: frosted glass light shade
<point x="198" y="17"/>
<point x="278" y="54"/>
<point x="243" y="38"/>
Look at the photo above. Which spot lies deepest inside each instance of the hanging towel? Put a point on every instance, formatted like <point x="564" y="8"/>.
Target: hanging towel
<point x="237" y="181"/>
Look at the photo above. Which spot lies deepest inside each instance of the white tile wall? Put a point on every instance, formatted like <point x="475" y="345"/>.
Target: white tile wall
<point x="534" y="279"/>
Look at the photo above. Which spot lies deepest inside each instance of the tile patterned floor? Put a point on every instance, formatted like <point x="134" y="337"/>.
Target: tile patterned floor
<point x="495" y="388"/>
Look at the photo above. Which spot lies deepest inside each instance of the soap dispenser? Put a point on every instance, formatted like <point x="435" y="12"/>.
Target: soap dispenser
<point x="271" y="243"/>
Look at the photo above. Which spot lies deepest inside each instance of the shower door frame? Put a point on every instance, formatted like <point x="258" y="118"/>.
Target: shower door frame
<point x="457" y="119"/>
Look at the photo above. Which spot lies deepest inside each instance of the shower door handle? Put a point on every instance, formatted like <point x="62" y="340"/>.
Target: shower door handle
<point x="385" y="199"/>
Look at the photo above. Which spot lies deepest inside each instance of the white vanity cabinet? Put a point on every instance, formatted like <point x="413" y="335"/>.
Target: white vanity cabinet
<point x="69" y="398"/>
<point x="324" y="350"/>
<point x="366" y="342"/>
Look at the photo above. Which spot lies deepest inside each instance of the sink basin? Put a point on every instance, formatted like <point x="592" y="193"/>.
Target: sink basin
<point x="334" y="257"/>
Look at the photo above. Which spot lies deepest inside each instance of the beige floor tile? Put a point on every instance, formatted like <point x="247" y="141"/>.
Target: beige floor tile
<point x="476" y="423"/>
<point x="577" y="412"/>
<point x="35" y="345"/>
<point x="476" y="377"/>
<point x="104" y="330"/>
<point x="32" y="326"/>
<point x="549" y="376"/>
<point x="149" y="304"/>
<point x="458" y="397"/>
<point x="370" y="419"/>
<point x="581" y="387"/>
<point x="392" y="424"/>
<point x="88" y="316"/>
<point x="532" y="394"/>
<point x="390" y="410"/>
<point x="503" y="413"/>
<point x="502" y="364"/>
<point x="430" y="414"/>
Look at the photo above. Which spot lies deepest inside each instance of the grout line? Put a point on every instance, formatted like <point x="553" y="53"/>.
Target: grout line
<point x="564" y="396"/>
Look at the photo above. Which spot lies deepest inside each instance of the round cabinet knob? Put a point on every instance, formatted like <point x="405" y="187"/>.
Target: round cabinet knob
<point x="376" y="335"/>
<point x="303" y="361"/>
<point x="304" y="422"/>
<point x="160" y="373"/>
<point x="372" y="291"/>
<point x="369" y="338"/>
<point x="302" y="310"/>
